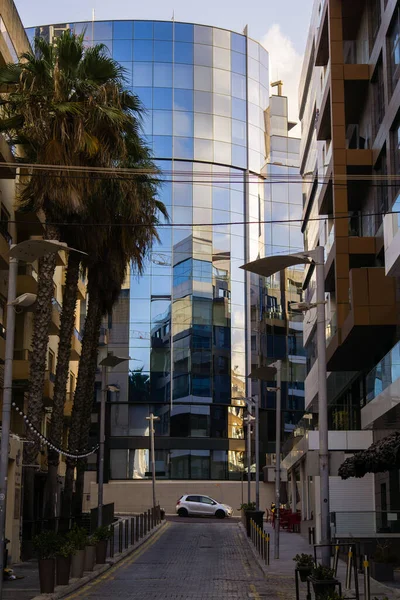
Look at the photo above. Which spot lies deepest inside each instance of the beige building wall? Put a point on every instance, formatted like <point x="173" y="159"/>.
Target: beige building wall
<point x="136" y="496"/>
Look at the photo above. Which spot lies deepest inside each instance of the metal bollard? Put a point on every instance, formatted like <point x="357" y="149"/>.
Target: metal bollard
<point x="126" y="533"/>
<point x="120" y="537"/>
<point x="132" y="531"/>
<point x="149" y="519"/>
<point x="268" y="546"/>
<point x="141" y="517"/>
<point x="112" y="541"/>
<point x="336" y="559"/>
<point x="259" y="539"/>
<point x="367" y="579"/>
<point x="137" y="528"/>
<point x="348" y="568"/>
<point x="145" y="523"/>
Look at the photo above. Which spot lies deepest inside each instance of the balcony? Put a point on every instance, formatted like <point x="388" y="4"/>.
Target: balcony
<point x="27" y="280"/>
<point x="370" y="323"/>
<point x="322" y="43"/>
<point x="76" y="345"/>
<point x="48" y="390"/>
<point x="391" y="236"/>
<point x="81" y="289"/>
<point x="68" y="404"/>
<point x="55" y="317"/>
<point x="21" y="365"/>
<point x="5" y="240"/>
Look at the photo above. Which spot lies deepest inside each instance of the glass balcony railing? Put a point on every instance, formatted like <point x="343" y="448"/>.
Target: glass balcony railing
<point x="384" y="373"/>
<point x="330" y="327"/>
<point x="329" y="242"/>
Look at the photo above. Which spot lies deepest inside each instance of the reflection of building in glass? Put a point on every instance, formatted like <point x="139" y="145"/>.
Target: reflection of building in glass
<point x="186" y="321"/>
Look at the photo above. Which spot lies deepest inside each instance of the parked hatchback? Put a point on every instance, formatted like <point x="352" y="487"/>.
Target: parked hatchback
<point x="202" y="506"/>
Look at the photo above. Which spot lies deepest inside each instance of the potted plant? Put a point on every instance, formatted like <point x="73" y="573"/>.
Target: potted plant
<point x="323" y="581"/>
<point x="63" y="562"/>
<point x="78" y="537"/>
<point x="382" y="562"/>
<point x="249" y="512"/>
<point x="46" y="545"/>
<point x="304" y="565"/>
<point x="101" y="537"/>
<point x="90" y="553"/>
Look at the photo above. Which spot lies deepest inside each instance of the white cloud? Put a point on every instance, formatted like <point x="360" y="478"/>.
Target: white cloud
<point x="284" y="63"/>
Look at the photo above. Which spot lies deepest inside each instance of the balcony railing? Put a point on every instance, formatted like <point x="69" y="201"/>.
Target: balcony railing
<point x="329" y="242"/>
<point x="384" y="373"/>
<point x="355" y="54"/>
<point x="365" y="523"/>
<point x="330" y="327"/>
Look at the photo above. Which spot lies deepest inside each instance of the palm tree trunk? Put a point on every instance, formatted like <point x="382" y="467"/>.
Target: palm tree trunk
<point x="40" y="338"/>
<point x="61" y="381"/>
<point x="89" y="341"/>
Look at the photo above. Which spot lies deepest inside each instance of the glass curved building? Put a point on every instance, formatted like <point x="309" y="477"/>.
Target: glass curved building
<point x="187" y="323"/>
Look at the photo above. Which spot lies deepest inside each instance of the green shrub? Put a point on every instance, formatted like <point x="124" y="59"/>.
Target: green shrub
<point x="66" y="549"/>
<point x="304" y="560"/>
<point x="102" y="534"/>
<point x="78" y="537"/>
<point x="248" y="506"/>
<point x="323" y="573"/>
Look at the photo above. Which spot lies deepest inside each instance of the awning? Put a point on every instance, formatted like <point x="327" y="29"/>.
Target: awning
<point x="382" y="456"/>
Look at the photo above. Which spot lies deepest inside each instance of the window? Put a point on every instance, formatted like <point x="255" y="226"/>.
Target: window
<point x="378" y="95"/>
<point x="51" y="361"/>
<point x="394" y="48"/>
<point x="374" y="12"/>
<point x="206" y="500"/>
<point x="4" y="219"/>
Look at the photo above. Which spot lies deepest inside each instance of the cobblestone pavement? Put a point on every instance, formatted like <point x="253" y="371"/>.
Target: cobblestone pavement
<point x="190" y="561"/>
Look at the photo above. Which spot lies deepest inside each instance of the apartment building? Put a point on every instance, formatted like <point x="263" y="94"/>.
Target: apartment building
<point x="349" y="109"/>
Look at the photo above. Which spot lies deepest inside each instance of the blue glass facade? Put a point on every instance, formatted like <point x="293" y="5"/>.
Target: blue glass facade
<point x="184" y="322"/>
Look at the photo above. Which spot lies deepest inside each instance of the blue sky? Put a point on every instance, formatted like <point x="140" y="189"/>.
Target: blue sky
<point x="281" y="25"/>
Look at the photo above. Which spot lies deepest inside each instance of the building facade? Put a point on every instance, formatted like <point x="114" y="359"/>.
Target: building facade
<point x="194" y="323"/>
<point x="349" y="107"/>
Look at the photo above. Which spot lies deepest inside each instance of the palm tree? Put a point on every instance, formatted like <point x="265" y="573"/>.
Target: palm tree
<point x="62" y="106"/>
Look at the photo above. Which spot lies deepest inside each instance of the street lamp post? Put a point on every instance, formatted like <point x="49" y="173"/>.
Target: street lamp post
<point x="249" y="419"/>
<point x="28" y="251"/>
<point x="265" y="267"/>
<point x="153" y="418"/>
<point x="110" y="361"/>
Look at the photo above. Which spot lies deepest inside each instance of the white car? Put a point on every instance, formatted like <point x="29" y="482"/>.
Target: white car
<point x="193" y="504"/>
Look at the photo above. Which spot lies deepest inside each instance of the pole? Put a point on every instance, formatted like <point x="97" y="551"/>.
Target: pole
<point x="257" y="450"/>
<point x="152" y="418"/>
<point x="323" y="407"/>
<point x="6" y="413"/>
<point x="101" y="444"/>
<point x="278" y="455"/>
<point x="248" y="454"/>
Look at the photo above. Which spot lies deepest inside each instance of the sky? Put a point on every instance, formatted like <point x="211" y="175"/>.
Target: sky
<point x="280" y="25"/>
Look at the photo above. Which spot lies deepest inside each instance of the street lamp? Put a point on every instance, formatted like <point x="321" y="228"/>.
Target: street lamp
<point x="266" y="267"/>
<point x="110" y="361"/>
<point x="28" y="251"/>
<point x="153" y="418"/>
<point x="268" y="373"/>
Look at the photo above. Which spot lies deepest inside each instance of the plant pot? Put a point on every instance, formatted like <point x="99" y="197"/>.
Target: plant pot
<point x="256" y="516"/>
<point x="63" y="568"/>
<point x="47" y="575"/>
<point x="381" y="571"/>
<point x="304" y="572"/>
<point x="90" y="558"/>
<point x="101" y="552"/>
<point x="323" y="587"/>
<point x="77" y="564"/>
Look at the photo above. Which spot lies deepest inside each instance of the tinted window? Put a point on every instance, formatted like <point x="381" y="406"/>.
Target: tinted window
<point x="123" y="30"/>
<point x="193" y="499"/>
<point x="143" y="29"/>
<point x="206" y="500"/>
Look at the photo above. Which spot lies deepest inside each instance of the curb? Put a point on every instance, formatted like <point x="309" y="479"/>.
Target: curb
<point x="76" y="584"/>
<point x="260" y="562"/>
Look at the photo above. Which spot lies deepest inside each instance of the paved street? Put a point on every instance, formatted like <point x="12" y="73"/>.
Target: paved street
<point x="190" y="561"/>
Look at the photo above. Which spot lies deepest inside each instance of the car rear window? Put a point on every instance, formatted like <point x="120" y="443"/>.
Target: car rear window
<point x="193" y="499"/>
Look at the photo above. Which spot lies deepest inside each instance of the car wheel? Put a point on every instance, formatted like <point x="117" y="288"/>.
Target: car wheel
<point x="182" y="512"/>
<point x="220" y="514"/>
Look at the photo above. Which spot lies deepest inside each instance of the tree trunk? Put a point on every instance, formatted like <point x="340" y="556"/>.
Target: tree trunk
<point x="90" y="339"/>
<point x="61" y="381"/>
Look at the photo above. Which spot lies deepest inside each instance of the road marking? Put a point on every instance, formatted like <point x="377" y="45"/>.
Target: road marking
<point x="108" y="575"/>
<point x="255" y="595"/>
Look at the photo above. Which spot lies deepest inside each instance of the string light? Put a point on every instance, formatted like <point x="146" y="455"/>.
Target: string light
<point x="47" y="442"/>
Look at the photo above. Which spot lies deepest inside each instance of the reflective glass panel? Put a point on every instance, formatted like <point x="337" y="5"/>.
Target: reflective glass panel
<point x="203" y="79"/>
<point x="203" y="126"/>
<point x="203" y="35"/>
<point x="122" y="50"/>
<point x="253" y="49"/>
<point x="203" y="55"/>
<point x="162" y="31"/>
<point x="238" y="86"/>
<point x="222" y="81"/>
<point x="219" y="464"/>
<point x="183" y="76"/>
<point x="222" y="105"/>
<point x="118" y="463"/>
<point x="238" y="63"/>
<point x="145" y="95"/>
<point x="143" y="50"/>
<point x="183" y="147"/>
<point x="162" y="51"/>
<point x="103" y="30"/>
<point x="162" y="146"/>
<point x="183" y="53"/>
<point x="238" y="109"/>
<point x="203" y="150"/>
<point x="162" y="75"/>
<point x="222" y="58"/>
<point x="123" y="30"/>
<point x="222" y="129"/>
<point x="147" y="124"/>
<point x="143" y="74"/>
<point x="127" y="66"/>
<point x="238" y="43"/>
<point x="222" y="38"/>
<point x="162" y="98"/>
<point x="183" y="100"/>
<point x="183" y="32"/>
<point x="143" y="29"/>
<point x="254" y="92"/>
<point x="239" y="156"/>
<point x="183" y="123"/>
<point x="220" y="199"/>
<point x="203" y="102"/>
<point x="162" y="122"/>
<point x="253" y="67"/>
<point x="238" y="133"/>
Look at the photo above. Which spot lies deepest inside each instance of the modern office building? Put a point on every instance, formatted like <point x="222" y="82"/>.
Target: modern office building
<point x="349" y="108"/>
<point x="194" y="323"/>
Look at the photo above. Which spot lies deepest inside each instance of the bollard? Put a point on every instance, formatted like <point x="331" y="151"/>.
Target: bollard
<point x="268" y="547"/>
<point x="259" y="540"/>
<point x="149" y="526"/>
<point x="137" y="528"/>
<point x="141" y="525"/>
<point x="132" y="531"/>
<point x="336" y="559"/>
<point x="126" y="533"/>
<point x="348" y="568"/>
<point x="367" y="579"/>
<point x="120" y="537"/>
<point x="145" y="523"/>
<point x="112" y="541"/>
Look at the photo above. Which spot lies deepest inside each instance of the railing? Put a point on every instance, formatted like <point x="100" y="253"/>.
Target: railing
<point x="330" y="241"/>
<point x="354" y="56"/>
<point x="384" y="373"/>
<point x="331" y="327"/>
<point x="260" y="540"/>
<point x="364" y="523"/>
<point x="127" y="532"/>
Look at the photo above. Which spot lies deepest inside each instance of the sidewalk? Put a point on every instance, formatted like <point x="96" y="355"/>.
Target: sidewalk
<point x="294" y="543"/>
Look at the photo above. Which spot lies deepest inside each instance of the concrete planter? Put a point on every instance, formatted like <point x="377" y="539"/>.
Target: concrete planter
<point x="63" y="568"/>
<point x="77" y="564"/>
<point x="47" y="575"/>
<point x="101" y="552"/>
<point x="90" y="558"/>
<point x="381" y="571"/>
